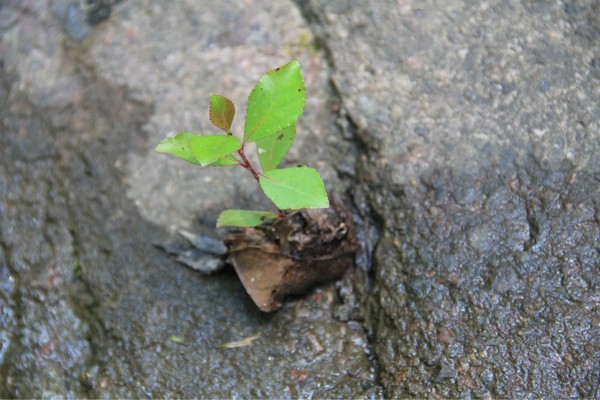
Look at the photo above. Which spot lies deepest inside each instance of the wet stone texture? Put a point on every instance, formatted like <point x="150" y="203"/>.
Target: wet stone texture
<point x="88" y="306"/>
<point x="465" y="133"/>
<point x="478" y="124"/>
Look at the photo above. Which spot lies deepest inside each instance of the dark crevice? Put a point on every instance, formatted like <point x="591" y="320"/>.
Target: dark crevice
<point x="530" y="204"/>
<point x="347" y="124"/>
<point x="534" y="228"/>
<point x="314" y="21"/>
<point x="370" y="223"/>
<point x="349" y="130"/>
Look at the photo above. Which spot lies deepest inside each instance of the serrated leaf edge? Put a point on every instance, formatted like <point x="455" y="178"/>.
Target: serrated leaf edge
<point x="210" y="112"/>
<point x="279" y="128"/>
<point x="293" y="189"/>
<point x="204" y="164"/>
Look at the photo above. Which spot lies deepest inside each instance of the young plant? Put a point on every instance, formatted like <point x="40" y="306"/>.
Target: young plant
<point x="274" y="105"/>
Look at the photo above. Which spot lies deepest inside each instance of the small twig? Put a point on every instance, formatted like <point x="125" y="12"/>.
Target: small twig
<point x="246" y="164"/>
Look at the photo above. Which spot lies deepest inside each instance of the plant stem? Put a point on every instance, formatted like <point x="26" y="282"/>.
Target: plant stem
<point x="246" y="164"/>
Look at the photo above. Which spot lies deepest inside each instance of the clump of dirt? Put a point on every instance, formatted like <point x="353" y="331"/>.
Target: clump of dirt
<point x="291" y="255"/>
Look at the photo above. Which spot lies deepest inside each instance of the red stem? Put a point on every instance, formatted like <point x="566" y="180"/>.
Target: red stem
<point x="246" y="164"/>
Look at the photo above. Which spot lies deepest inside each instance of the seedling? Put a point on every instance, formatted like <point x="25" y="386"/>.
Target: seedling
<point x="274" y="105"/>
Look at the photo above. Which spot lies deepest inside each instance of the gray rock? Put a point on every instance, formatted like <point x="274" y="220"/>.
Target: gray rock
<point x="205" y="244"/>
<point x="477" y="131"/>
<point x="89" y="308"/>
<point x="99" y="10"/>
<point x="72" y="17"/>
<point x="79" y="16"/>
<point x="466" y="134"/>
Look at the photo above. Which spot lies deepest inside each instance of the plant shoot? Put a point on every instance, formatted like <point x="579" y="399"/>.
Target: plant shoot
<point x="274" y="105"/>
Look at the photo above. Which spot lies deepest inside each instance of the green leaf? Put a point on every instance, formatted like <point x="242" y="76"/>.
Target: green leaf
<point x="276" y="102"/>
<point x="210" y="148"/>
<point x="272" y="149"/>
<point x="203" y="150"/>
<point x="243" y="218"/>
<point x="221" y="112"/>
<point x="225" y="161"/>
<point x="294" y="188"/>
<point x="179" y="146"/>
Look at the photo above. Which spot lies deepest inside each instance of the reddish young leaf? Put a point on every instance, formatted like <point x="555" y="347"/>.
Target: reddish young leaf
<point x="221" y="112"/>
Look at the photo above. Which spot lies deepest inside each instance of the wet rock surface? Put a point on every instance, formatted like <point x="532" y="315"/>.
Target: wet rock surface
<point x="467" y="135"/>
<point x="479" y="130"/>
<point x="89" y="307"/>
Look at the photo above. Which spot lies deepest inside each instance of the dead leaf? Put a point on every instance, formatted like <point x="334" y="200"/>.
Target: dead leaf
<point x="240" y="343"/>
